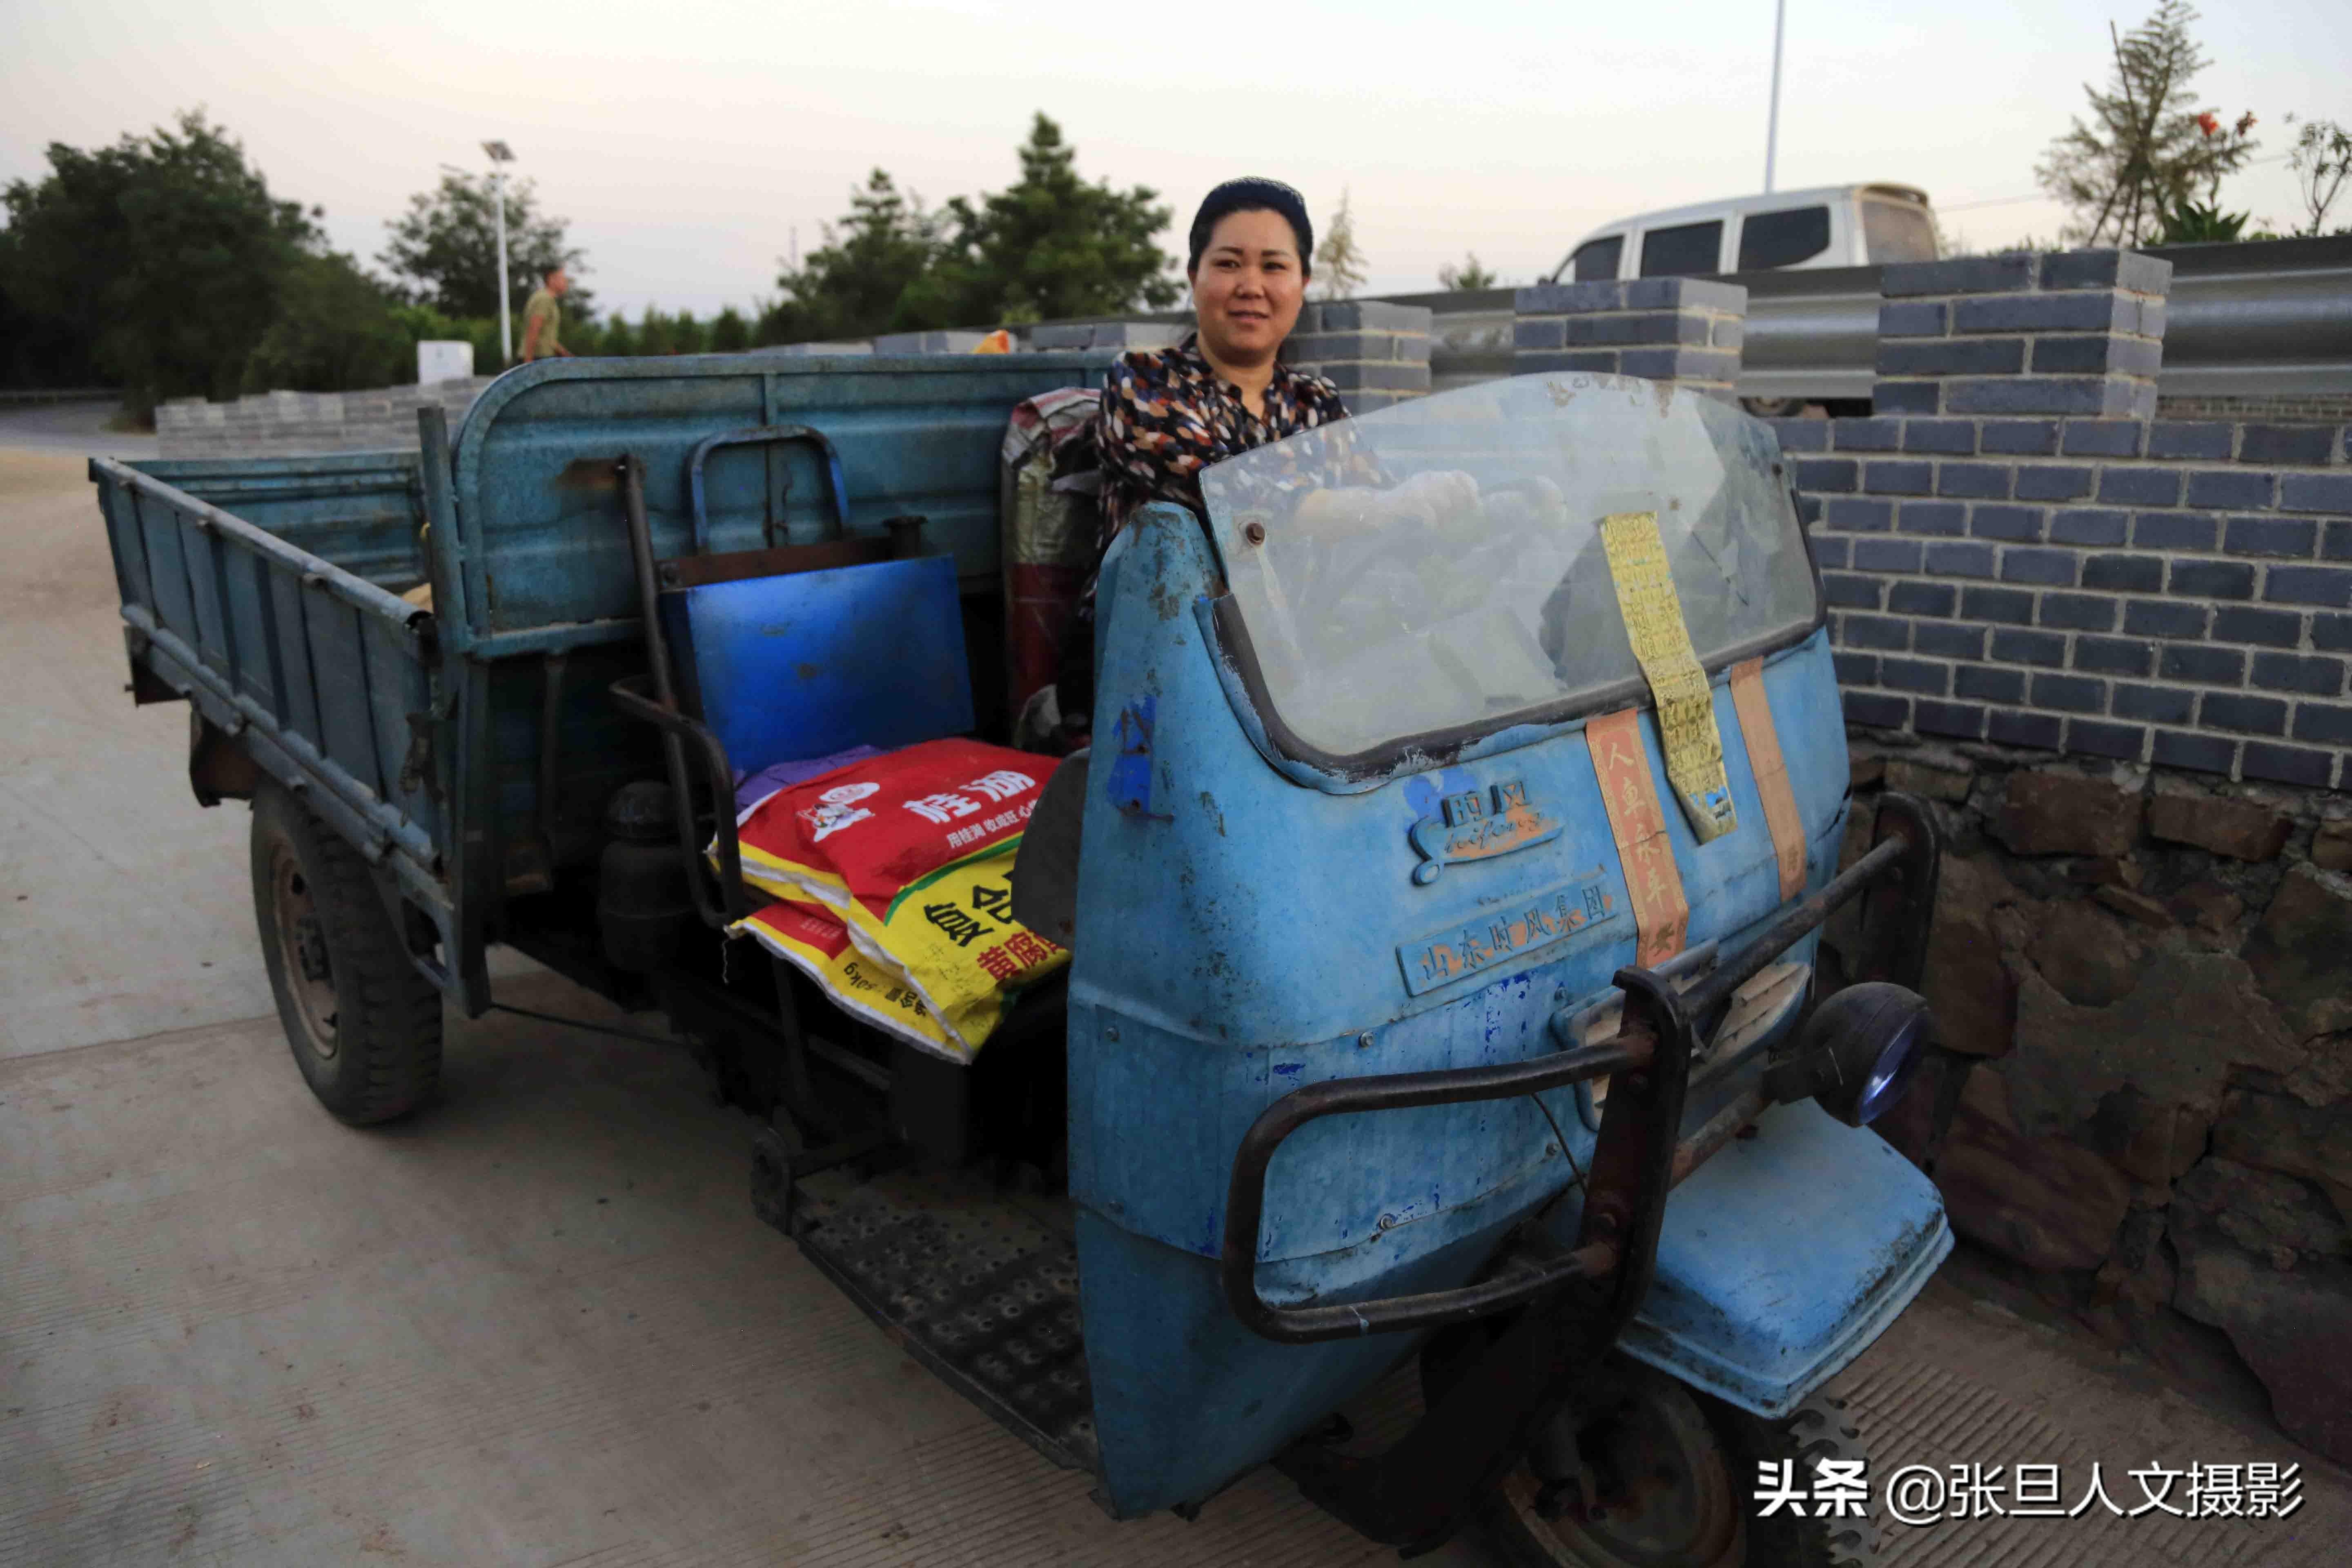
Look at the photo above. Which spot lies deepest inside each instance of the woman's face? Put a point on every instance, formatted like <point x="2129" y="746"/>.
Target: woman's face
<point x="1248" y="287"/>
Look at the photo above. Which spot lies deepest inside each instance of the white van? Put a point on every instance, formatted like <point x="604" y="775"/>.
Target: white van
<point x="1832" y="226"/>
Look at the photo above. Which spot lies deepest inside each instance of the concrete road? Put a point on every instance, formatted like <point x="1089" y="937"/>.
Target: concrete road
<point x="539" y="1325"/>
<point x="76" y="428"/>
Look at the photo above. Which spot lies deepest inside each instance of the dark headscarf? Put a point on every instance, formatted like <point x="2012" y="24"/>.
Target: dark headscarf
<point x="1249" y="194"/>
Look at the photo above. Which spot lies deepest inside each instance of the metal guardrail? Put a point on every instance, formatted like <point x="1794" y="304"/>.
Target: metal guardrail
<point x="2267" y="317"/>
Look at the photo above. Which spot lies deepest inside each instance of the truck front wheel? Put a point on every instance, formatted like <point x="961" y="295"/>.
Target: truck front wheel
<point x="1642" y="1471"/>
<point x="363" y="1024"/>
<point x="1663" y="1477"/>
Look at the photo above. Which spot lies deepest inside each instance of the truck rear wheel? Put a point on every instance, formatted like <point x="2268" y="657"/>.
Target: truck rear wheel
<point x="363" y="1024"/>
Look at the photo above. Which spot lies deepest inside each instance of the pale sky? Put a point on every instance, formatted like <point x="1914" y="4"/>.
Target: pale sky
<point x="685" y="142"/>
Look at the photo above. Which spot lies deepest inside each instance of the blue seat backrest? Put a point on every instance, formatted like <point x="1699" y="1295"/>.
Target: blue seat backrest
<point x="810" y="663"/>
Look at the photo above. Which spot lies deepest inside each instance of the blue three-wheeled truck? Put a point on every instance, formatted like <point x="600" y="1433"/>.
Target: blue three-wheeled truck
<point x="1444" y="897"/>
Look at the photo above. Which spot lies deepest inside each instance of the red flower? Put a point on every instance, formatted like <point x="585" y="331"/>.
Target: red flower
<point x="2208" y="123"/>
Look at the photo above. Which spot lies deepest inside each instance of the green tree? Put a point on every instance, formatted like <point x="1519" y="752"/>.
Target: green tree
<point x="1339" y="260"/>
<point x="37" y="349"/>
<point x="854" y="284"/>
<point x="336" y="329"/>
<point x="730" y="332"/>
<point x="653" y="334"/>
<point x="2149" y="149"/>
<point x="2322" y="160"/>
<point x="1471" y="274"/>
<point x="164" y="255"/>
<point x="444" y="249"/>
<point x="1050" y="245"/>
<point x="658" y="333"/>
<point x="582" y="334"/>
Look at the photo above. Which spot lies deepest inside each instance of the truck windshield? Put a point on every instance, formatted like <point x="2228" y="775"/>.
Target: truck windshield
<point x="1436" y="571"/>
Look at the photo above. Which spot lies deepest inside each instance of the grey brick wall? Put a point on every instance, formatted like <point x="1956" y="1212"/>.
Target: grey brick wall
<point x="1678" y="329"/>
<point x="2276" y="408"/>
<point x="952" y="342"/>
<point x="2176" y="593"/>
<point x="2079" y="333"/>
<point x="288" y="423"/>
<point x="814" y="350"/>
<point x="1111" y="337"/>
<point x="1377" y="354"/>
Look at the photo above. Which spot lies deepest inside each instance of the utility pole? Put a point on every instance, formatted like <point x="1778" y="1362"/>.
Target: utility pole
<point x="1772" y="122"/>
<point x="500" y="155"/>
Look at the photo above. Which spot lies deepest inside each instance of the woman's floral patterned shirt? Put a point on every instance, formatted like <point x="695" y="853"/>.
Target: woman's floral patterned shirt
<point x="1167" y="414"/>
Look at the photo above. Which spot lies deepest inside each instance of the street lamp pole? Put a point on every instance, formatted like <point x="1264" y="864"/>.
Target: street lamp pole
<point x="500" y="155"/>
<point x="1772" y="125"/>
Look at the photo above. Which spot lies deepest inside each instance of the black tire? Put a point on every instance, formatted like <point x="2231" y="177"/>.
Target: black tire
<point x="363" y="1024"/>
<point x="1694" y="1503"/>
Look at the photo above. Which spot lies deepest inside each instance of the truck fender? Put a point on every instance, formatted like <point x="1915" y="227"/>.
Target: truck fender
<point x="219" y="767"/>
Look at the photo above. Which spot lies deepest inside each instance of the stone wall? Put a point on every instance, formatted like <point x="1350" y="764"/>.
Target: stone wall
<point x="287" y="423"/>
<point x="2152" y="968"/>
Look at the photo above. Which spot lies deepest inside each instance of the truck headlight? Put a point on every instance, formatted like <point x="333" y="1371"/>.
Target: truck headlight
<point x="1858" y="1053"/>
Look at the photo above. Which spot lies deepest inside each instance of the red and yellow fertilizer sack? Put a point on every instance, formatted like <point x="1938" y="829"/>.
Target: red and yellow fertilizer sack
<point x="819" y="946"/>
<point x="911" y="854"/>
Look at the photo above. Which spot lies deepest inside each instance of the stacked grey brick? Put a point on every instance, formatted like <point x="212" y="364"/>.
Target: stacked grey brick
<point x="957" y="341"/>
<point x="1112" y="338"/>
<point x="1376" y="355"/>
<point x="2008" y="561"/>
<point x="2076" y="333"/>
<point x="1679" y="329"/>
<point x="288" y="424"/>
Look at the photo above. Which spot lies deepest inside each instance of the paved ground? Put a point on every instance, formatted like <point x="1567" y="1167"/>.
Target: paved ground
<point x="78" y="428"/>
<point x="539" y="1326"/>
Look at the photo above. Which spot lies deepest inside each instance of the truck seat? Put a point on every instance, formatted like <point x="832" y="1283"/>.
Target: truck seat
<point x="804" y="664"/>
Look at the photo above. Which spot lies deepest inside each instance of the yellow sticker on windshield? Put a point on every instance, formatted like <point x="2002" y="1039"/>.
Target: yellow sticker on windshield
<point x="1653" y="623"/>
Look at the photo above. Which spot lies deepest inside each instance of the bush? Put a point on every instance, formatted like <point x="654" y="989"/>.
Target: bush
<point x="335" y="331"/>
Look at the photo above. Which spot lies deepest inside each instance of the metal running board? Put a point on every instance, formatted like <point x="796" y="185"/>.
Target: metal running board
<point x="977" y="1285"/>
